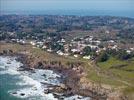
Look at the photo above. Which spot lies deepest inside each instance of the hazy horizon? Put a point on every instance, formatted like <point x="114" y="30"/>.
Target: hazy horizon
<point x="122" y="8"/>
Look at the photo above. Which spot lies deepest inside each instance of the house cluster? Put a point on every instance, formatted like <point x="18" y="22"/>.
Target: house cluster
<point x="20" y="41"/>
<point x="76" y="46"/>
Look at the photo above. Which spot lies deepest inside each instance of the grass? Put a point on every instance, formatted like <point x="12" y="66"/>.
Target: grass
<point x="103" y="80"/>
<point x="129" y="92"/>
<point x="124" y="74"/>
<point x="111" y="62"/>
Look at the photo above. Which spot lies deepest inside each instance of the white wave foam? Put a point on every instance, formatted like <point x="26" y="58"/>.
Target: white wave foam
<point x="77" y="97"/>
<point x="33" y="88"/>
<point x="32" y="80"/>
<point x="9" y="63"/>
<point x="32" y="92"/>
<point x="9" y="71"/>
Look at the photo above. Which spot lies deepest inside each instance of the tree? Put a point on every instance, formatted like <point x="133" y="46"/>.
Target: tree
<point x="86" y="51"/>
<point x="103" y="57"/>
<point x="123" y="55"/>
<point x="56" y="46"/>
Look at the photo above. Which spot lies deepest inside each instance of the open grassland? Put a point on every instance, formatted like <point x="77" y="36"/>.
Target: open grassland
<point x="122" y="71"/>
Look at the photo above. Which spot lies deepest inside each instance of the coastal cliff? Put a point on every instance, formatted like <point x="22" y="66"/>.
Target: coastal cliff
<point x="73" y="72"/>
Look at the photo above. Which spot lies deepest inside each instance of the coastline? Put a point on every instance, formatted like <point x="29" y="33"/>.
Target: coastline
<point x="72" y="76"/>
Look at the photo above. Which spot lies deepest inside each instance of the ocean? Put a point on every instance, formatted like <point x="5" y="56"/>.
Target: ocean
<point x="27" y="85"/>
<point x="117" y="13"/>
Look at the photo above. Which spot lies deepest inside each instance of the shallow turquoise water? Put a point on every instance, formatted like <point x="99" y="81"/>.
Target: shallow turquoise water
<point x="7" y="83"/>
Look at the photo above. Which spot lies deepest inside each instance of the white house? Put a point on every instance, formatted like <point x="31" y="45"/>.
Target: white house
<point x="75" y="56"/>
<point x="75" y="50"/>
<point x="60" y="52"/>
<point x="33" y="43"/>
<point x="49" y="50"/>
<point x="86" y="57"/>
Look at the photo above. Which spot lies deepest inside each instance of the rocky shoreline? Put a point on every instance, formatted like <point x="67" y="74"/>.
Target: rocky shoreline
<point x="71" y="77"/>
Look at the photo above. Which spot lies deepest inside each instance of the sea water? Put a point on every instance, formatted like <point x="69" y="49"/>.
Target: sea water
<point x="27" y="85"/>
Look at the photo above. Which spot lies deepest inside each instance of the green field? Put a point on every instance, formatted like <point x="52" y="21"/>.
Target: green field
<point x="124" y="70"/>
<point x="121" y="71"/>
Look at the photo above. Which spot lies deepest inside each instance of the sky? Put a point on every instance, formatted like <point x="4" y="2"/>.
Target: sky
<point x="126" y="6"/>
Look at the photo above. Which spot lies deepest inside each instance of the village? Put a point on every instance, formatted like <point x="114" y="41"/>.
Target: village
<point x="87" y="47"/>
